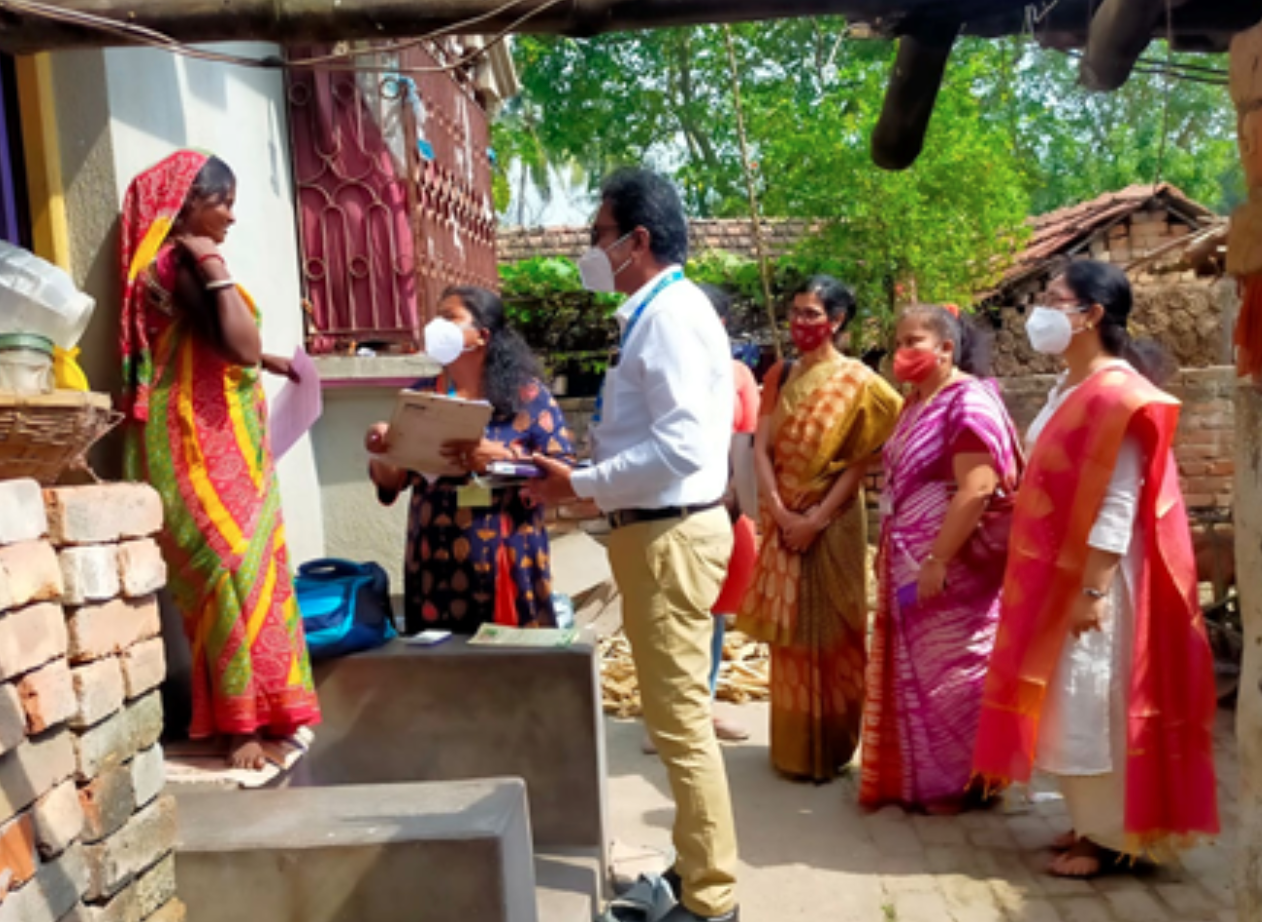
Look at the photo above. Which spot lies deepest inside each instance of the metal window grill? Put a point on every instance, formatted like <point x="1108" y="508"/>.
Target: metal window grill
<point x="393" y="178"/>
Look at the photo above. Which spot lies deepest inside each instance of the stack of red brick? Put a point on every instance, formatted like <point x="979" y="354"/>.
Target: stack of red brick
<point x="86" y="833"/>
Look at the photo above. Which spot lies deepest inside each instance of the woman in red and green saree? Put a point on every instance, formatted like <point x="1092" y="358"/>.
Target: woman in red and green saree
<point x="822" y="422"/>
<point x="1102" y="674"/>
<point x="197" y="432"/>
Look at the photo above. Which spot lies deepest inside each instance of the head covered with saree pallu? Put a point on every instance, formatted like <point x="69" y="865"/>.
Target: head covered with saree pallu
<point x="154" y="201"/>
<point x="1169" y="772"/>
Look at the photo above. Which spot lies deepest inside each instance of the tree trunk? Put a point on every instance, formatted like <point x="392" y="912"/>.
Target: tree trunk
<point x="764" y="263"/>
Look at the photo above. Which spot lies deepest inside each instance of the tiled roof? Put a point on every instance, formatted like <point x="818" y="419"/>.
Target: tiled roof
<point x="733" y="235"/>
<point x="1058" y="232"/>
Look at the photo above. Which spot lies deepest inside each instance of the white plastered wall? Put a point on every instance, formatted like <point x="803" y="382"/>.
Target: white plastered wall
<point x="126" y="109"/>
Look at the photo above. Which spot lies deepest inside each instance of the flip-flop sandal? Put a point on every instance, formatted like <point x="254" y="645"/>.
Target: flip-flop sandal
<point x="648" y="900"/>
<point x="1064" y="842"/>
<point x="1107" y="861"/>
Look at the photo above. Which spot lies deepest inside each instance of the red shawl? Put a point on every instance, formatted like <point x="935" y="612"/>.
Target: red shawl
<point x="1170" y="794"/>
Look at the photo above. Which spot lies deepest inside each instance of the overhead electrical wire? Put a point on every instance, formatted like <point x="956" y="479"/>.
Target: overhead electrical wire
<point x="337" y="61"/>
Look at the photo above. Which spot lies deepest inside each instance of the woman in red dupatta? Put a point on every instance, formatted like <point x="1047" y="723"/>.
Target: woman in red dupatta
<point x="1102" y="672"/>
<point x="197" y="431"/>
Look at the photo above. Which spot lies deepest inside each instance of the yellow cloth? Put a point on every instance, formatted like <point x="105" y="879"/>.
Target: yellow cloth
<point x="812" y="606"/>
<point x="829" y="416"/>
<point x="66" y="370"/>
<point x="669" y="574"/>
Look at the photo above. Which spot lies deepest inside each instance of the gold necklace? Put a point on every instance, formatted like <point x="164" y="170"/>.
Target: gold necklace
<point x="950" y="378"/>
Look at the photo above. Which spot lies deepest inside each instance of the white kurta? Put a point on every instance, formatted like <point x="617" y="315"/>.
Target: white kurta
<point x="1082" y="732"/>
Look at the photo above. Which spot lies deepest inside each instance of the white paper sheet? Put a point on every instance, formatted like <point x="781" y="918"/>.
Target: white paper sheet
<point x="297" y="406"/>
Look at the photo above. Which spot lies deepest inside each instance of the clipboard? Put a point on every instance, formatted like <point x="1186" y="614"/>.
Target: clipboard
<point x="424" y="422"/>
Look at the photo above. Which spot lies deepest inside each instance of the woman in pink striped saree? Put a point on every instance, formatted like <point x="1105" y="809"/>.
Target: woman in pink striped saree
<point x="951" y="468"/>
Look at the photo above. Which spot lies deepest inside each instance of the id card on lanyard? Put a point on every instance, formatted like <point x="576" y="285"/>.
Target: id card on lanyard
<point x="661" y="286"/>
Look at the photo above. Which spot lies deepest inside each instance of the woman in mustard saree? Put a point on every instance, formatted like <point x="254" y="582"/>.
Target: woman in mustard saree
<point x="823" y="420"/>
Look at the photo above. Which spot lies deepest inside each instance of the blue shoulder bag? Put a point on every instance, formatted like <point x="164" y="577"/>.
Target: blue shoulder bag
<point x="345" y="607"/>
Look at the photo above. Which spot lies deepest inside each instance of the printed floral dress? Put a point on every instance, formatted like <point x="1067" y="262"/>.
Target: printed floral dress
<point x="469" y="566"/>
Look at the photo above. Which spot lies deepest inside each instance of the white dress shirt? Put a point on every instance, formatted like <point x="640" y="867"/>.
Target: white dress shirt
<point x="667" y="406"/>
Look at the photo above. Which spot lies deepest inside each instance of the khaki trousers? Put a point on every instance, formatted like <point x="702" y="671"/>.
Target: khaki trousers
<point x="669" y="574"/>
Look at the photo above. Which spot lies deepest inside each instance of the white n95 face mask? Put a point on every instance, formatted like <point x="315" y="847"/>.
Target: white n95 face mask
<point x="597" y="272"/>
<point x="444" y="341"/>
<point x="1049" y="330"/>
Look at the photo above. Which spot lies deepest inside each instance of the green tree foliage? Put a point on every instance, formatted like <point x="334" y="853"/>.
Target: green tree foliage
<point x="811" y="97"/>
<point x="1074" y="145"/>
<point x="1012" y="135"/>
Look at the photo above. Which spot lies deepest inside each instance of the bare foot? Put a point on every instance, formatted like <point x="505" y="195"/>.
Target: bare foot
<point x="1082" y="861"/>
<point x="247" y="752"/>
<point x="1065" y="841"/>
<point x="729" y="731"/>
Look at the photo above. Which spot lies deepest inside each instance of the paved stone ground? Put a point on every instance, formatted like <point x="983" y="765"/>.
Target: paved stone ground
<point x="810" y="853"/>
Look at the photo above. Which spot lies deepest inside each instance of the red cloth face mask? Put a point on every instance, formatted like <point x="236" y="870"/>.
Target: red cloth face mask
<point x="914" y="365"/>
<point x="809" y="336"/>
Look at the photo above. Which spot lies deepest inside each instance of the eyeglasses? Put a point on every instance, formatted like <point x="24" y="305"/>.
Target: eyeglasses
<point x="809" y="314"/>
<point x="1075" y="306"/>
<point x="597" y="232"/>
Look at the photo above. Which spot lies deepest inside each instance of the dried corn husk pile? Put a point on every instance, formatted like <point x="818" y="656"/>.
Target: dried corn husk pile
<point x="744" y="676"/>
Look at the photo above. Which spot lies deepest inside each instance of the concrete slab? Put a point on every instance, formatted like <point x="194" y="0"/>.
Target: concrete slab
<point x="569" y="885"/>
<point x="403" y="713"/>
<point x="448" y="852"/>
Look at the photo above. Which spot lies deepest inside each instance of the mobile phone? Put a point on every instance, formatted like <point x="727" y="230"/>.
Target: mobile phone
<point x="428" y="638"/>
<point x="514" y="469"/>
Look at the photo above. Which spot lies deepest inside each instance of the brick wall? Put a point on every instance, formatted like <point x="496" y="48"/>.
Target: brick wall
<point x="1204" y="445"/>
<point x="86" y="833"/>
<point x="1192" y="318"/>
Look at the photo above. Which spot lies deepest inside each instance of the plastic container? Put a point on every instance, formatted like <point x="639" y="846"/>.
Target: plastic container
<point x="38" y="297"/>
<point x="563" y="606"/>
<point x="26" y="363"/>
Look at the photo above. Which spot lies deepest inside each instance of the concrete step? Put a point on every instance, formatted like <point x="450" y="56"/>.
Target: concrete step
<point x="403" y="713"/>
<point x="435" y="852"/>
<point x="568" y="885"/>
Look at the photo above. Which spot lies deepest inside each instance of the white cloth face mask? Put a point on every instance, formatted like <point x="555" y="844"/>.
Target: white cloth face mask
<point x="1049" y="330"/>
<point x="444" y="341"/>
<point x="597" y="272"/>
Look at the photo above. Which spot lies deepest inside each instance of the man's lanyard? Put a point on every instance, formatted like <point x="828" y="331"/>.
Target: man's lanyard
<point x="662" y="284"/>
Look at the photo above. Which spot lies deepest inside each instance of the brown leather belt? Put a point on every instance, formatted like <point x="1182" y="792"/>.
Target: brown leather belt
<point x="624" y="517"/>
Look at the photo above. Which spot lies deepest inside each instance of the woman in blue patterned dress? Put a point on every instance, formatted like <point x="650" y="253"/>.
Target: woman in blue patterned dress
<point x="469" y="563"/>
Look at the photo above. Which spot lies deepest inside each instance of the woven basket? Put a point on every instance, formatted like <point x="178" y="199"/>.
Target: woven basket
<point x="44" y="435"/>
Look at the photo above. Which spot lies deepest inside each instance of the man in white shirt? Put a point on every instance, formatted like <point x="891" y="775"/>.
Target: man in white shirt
<point x="660" y="446"/>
